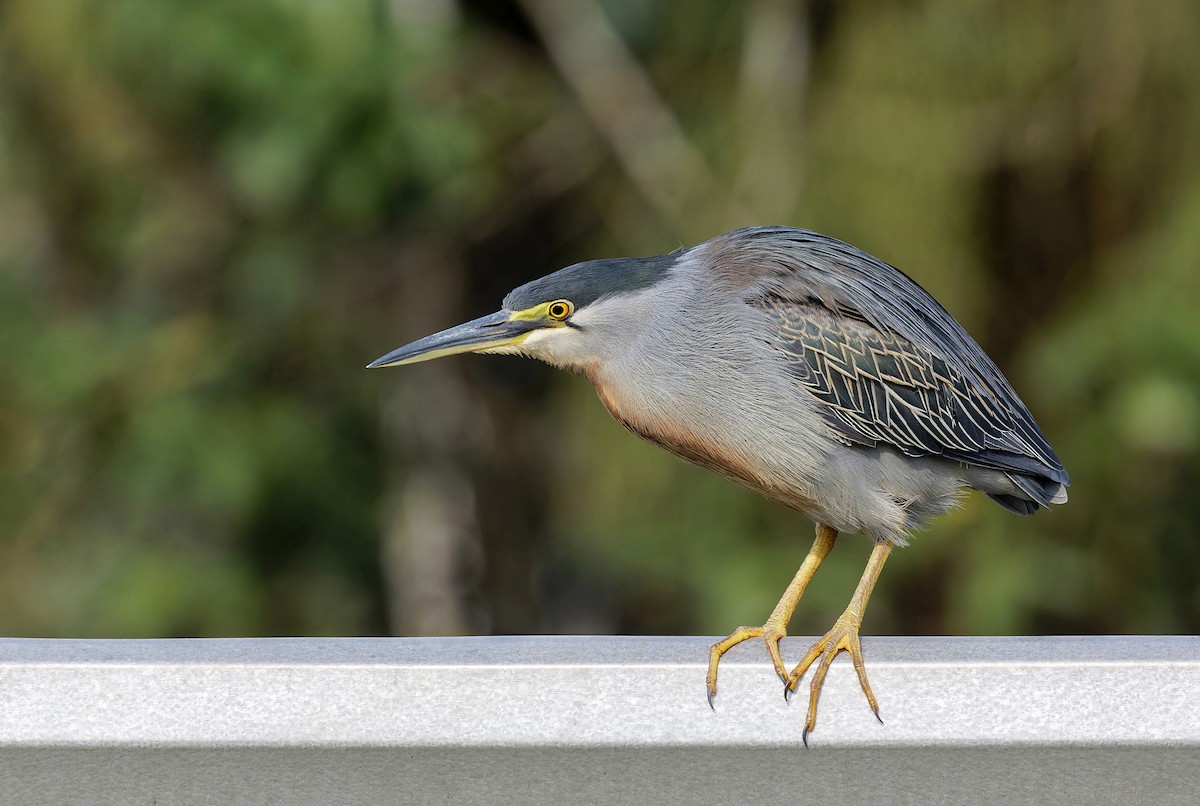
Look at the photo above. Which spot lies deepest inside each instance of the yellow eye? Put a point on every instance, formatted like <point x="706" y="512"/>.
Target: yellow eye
<point x="560" y="310"/>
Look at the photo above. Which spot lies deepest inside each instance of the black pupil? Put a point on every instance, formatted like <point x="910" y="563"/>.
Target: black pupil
<point x="558" y="309"/>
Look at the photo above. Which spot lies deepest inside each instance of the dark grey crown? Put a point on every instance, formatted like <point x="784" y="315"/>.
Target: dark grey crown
<point x="584" y="283"/>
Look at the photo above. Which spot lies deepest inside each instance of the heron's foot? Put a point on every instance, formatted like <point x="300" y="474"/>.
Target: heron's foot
<point x="771" y="636"/>
<point x="843" y="636"/>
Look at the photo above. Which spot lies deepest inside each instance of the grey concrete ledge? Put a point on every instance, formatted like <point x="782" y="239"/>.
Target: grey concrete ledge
<point x="594" y="720"/>
<point x="589" y="692"/>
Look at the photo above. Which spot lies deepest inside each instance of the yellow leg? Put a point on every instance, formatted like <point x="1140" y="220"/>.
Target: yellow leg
<point x="775" y="630"/>
<point x="843" y="636"/>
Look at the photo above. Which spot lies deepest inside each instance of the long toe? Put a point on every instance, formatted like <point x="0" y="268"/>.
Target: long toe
<point x="718" y="651"/>
<point x="771" y="635"/>
<point x="843" y="637"/>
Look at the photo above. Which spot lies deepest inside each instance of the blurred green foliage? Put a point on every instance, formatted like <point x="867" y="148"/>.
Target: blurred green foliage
<point x="212" y="215"/>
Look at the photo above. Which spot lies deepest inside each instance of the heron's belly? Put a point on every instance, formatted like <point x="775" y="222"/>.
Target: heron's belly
<point x="777" y="450"/>
<point x="716" y="449"/>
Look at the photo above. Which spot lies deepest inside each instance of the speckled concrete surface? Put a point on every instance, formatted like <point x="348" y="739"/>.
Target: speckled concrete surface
<point x="618" y="720"/>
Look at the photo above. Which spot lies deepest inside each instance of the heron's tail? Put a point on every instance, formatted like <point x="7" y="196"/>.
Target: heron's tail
<point x="1042" y="492"/>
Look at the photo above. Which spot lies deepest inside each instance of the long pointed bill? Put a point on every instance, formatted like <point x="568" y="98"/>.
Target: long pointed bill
<point x="485" y="333"/>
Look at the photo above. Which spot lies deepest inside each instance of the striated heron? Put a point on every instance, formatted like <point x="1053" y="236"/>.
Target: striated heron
<point x="800" y="367"/>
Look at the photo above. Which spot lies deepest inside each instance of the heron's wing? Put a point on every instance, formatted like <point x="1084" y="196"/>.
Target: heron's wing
<point x="877" y="386"/>
<point x="889" y="364"/>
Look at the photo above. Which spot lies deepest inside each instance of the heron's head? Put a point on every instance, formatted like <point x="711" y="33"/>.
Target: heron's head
<point x="573" y="318"/>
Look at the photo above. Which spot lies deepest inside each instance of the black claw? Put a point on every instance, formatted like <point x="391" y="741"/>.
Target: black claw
<point x="711" y="694"/>
<point x="804" y="736"/>
<point x="787" y="693"/>
<point x="877" y="716"/>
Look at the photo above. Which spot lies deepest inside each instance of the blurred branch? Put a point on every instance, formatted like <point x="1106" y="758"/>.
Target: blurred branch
<point x="617" y="94"/>
<point x="773" y="80"/>
<point x="552" y="160"/>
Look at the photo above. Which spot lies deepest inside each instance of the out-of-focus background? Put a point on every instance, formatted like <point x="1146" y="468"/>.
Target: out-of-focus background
<point x="212" y="215"/>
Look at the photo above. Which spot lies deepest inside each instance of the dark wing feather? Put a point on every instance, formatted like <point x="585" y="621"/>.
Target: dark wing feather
<point x="889" y="363"/>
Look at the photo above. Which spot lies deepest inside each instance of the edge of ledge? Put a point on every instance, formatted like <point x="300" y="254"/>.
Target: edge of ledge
<point x="580" y="692"/>
<point x="589" y="650"/>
